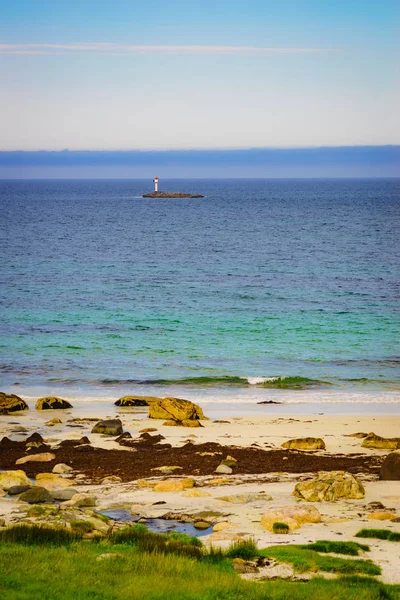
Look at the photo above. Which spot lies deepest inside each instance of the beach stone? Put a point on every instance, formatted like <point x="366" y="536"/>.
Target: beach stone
<point x="37" y="495"/>
<point x="380" y="443"/>
<point x="148" y="430"/>
<point x="62" y="469"/>
<point x="11" y="403"/>
<point x="143" y="483"/>
<point x="52" y="403"/>
<point x="195" y="493"/>
<point x="2" y="493"/>
<point x="52" y="422"/>
<point x="222" y="526"/>
<point x="52" y="481"/>
<point x="382" y="516"/>
<point x="174" y="485"/>
<point x="201" y="525"/>
<point x="219" y="481"/>
<point x="245" y="498"/>
<point x="43" y="457"/>
<point x="223" y="469"/>
<point x="293" y="516"/>
<point x="108" y="427"/>
<point x="307" y="443"/>
<point x="64" y="494"/>
<point x="136" y="400"/>
<point x="18" y="489"/>
<point x="175" y="409"/>
<point x="111" y="479"/>
<point x="229" y="461"/>
<point x="390" y="470"/>
<point x="335" y="485"/>
<point x="359" y="435"/>
<point x="11" y="478"/>
<point x="243" y="566"/>
<point x="167" y="470"/>
<point x="80" y="501"/>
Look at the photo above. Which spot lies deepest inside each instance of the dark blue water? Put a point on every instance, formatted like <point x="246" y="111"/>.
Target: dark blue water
<point x="259" y="278"/>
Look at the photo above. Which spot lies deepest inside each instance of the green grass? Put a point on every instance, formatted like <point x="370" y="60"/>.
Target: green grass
<point x="280" y="527"/>
<point x="379" y="534"/>
<point x="81" y="527"/>
<point x="147" y="541"/>
<point x="349" y="548"/>
<point x="245" y="549"/>
<point x="36" y="535"/>
<point x="73" y="573"/>
<point x="305" y="560"/>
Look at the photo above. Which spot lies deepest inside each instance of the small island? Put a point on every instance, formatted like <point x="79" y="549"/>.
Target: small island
<point x="171" y="195"/>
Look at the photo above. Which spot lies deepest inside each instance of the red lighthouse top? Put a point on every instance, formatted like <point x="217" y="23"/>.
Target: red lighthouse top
<point x="156" y="178"/>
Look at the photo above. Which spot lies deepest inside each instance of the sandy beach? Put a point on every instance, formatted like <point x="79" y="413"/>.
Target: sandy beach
<point x="265" y="474"/>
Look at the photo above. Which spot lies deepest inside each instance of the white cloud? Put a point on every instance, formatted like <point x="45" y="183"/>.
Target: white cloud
<point x="118" y="49"/>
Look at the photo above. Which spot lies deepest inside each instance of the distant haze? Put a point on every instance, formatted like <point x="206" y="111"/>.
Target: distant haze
<point x="355" y="161"/>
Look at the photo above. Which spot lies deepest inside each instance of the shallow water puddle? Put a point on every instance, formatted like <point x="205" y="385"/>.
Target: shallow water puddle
<point x="156" y="525"/>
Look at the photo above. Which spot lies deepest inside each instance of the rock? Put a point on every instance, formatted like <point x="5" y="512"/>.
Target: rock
<point x="359" y="435"/>
<point x="201" y="525"/>
<point x="245" y="498"/>
<point x="229" y="461"/>
<point x="293" y="516"/>
<point x="52" y="422"/>
<point x="223" y="469"/>
<point x="335" y="485"/>
<point x="37" y="495"/>
<point x="2" y="493"/>
<point x="136" y="400"/>
<point x="184" y="423"/>
<point x="51" y="481"/>
<point x="242" y="566"/>
<point x="195" y="493"/>
<point x="380" y="443"/>
<point x="148" y="430"/>
<point x="222" y="526"/>
<point x="18" y="489"/>
<point x="11" y="403"/>
<point x="52" y="403"/>
<point x="380" y="516"/>
<point x="9" y="479"/>
<point x="175" y="409"/>
<point x="308" y="443"/>
<point x="109" y="427"/>
<point x="174" y="485"/>
<point x="390" y="470"/>
<point x="64" y="494"/>
<point x="111" y="479"/>
<point x="167" y="470"/>
<point x="123" y="437"/>
<point x="80" y="501"/>
<point x="219" y="481"/>
<point x="43" y="457"/>
<point x="62" y="468"/>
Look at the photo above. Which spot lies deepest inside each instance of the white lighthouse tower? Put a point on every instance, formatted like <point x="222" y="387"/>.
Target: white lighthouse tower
<point x="155" y="181"/>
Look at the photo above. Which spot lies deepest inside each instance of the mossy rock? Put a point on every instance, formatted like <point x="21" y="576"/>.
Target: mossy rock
<point x="11" y="403"/>
<point x="175" y="409"/>
<point x="127" y="401"/>
<point x="380" y="443"/>
<point x="52" y="403"/>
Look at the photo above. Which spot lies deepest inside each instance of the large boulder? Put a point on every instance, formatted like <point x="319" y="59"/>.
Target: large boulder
<point x="292" y="516"/>
<point x="108" y="427"/>
<point x="307" y="443"/>
<point x="175" y="409"/>
<point x="11" y="478"/>
<point x="11" y="403"/>
<point x="136" y="400"/>
<point x="380" y="443"/>
<point x="390" y="470"/>
<point x="335" y="485"/>
<point x="37" y="495"/>
<point x="52" y="402"/>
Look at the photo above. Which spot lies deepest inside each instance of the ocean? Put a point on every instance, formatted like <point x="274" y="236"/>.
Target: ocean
<point x="104" y="293"/>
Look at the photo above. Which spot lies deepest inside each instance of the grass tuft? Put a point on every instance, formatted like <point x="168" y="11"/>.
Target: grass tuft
<point x="245" y="549"/>
<point x="349" y="548"/>
<point x="38" y="535"/>
<point x="379" y="534"/>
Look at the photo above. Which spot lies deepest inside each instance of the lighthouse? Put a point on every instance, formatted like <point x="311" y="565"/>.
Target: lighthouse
<point x="155" y="181"/>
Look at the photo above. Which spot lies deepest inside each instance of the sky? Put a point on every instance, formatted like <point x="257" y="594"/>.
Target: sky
<point x="157" y="75"/>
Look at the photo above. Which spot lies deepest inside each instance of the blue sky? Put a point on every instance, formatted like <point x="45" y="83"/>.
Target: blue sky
<point x="222" y="74"/>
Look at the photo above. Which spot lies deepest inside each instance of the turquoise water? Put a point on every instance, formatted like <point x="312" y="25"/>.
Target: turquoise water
<point x="104" y="290"/>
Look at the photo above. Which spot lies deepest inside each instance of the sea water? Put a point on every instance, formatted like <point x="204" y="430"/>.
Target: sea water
<point x="105" y="293"/>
